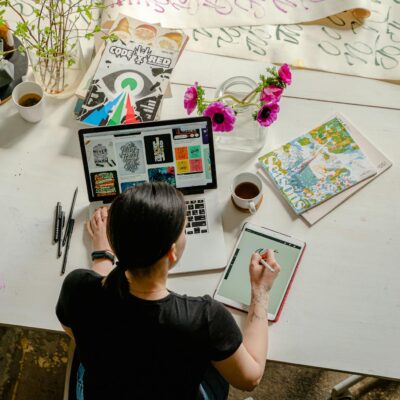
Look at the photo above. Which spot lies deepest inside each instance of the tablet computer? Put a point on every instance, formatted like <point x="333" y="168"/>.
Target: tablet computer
<point x="234" y="288"/>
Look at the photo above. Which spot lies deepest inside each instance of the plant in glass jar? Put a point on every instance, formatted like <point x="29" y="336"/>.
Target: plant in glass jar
<point x="51" y="39"/>
<point x="240" y="118"/>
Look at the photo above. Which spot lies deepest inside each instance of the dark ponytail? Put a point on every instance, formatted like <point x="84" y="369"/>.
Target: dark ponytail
<point x="143" y="223"/>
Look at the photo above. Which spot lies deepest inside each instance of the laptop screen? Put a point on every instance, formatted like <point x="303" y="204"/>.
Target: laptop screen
<point x="179" y="152"/>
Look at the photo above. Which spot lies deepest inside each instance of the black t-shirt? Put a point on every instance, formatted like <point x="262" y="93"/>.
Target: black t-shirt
<point x="140" y="349"/>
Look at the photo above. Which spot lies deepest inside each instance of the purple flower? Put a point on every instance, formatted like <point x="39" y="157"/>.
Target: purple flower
<point x="271" y="94"/>
<point x="285" y="74"/>
<point x="190" y="98"/>
<point x="267" y="114"/>
<point x="222" y="117"/>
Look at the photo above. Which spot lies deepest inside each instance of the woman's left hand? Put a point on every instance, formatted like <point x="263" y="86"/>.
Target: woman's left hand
<point x="97" y="228"/>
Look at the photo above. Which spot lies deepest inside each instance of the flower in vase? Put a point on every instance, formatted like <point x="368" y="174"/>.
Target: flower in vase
<point x="267" y="114"/>
<point x="222" y="117"/>
<point x="190" y="98"/>
<point x="285" y="74"/>
<point x="271" y="94"/>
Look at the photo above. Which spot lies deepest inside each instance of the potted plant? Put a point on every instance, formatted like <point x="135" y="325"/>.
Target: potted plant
<point x="51" y="39"/>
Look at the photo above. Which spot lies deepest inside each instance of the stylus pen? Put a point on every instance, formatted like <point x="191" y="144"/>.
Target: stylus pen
<point x="266" y="265"/>
<point x="71" y="210"/>
<point x="69" y="234"/>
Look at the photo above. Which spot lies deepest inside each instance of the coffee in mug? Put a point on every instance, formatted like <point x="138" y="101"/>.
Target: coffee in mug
<point x="29" y="99"/>
<point x="246" y="191"/>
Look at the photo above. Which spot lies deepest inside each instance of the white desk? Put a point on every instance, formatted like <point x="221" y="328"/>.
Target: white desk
<point x="343" y="309"/>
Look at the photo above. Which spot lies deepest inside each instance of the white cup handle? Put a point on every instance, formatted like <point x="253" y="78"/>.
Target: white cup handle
<point x="252" y="207"/>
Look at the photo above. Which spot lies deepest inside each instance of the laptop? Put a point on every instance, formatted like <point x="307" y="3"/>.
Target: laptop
<point x="179" y="152"/>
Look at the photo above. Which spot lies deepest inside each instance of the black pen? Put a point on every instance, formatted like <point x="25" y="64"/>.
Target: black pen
<point x="57" y="221"/>
<point x="61" y="223"/>
<point x="71" y="210"/>
<point x="69" y="234"/>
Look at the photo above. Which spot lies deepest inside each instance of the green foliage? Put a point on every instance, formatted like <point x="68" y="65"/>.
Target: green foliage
<point x="52" y="31"/>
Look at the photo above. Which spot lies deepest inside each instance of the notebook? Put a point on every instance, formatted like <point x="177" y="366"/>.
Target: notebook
<point x="179" y="152"/>
<point x="318" y="165"/>
<point x="377" y="158"/>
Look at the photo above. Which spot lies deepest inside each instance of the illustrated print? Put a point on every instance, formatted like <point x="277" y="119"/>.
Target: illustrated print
<point x="100" y="154"/>
<point x="129" y="84"/>
<point x="196" y="165"/>
<point x="127" y="185"/>
<point x="104" y="184"/>
<point x="181" y="153"/>
<point x="162" y="174"/>
<point x="194" y="152"/>
<point x="131" y="157"/>
<point x="207" y="162"/>
<point x="204" y="135"/>
<point x="180" y="134"/>
<point x="158" y="149"/>
<point x="182" y="167"/>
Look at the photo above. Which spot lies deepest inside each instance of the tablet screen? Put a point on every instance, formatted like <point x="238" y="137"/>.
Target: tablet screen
<point x="236" y="282"/>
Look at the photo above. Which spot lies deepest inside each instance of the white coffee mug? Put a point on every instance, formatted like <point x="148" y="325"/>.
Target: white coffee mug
<point x="32" y="113"/>
<point x="246" y="191"/>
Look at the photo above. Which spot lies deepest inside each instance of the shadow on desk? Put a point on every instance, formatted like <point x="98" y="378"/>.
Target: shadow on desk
<point x="17" y="129"/>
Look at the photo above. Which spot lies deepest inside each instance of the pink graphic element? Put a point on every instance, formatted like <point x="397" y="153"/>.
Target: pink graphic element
<point x="280" y="4"/>
<point x="196" y="165"/>
<point x="130" y="113"/>
<point x="2" y="283"/>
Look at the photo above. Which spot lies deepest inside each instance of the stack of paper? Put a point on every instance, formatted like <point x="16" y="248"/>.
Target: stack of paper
<point x="319" y="170"/>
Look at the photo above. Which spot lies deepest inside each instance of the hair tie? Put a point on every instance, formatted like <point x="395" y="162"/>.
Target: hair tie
<point x="121" y="266"/>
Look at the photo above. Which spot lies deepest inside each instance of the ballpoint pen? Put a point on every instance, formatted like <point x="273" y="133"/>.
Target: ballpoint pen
<point x="71" y="210"/>
<point x="61" y="225"/>
<point x="69" y="234"/>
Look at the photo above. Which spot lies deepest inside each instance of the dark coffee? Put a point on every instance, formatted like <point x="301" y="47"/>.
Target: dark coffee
<point x="247" y="190"/>
<point x="29" y="100"/>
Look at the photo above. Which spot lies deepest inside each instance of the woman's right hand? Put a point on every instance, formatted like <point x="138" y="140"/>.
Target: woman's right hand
<point x="260" y="275"/>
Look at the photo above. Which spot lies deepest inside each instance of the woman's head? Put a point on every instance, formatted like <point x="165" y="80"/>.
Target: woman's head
<point x="144" y="222"/>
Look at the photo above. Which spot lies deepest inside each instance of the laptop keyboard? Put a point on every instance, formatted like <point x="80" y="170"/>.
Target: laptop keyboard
<point x="197" y="217"/>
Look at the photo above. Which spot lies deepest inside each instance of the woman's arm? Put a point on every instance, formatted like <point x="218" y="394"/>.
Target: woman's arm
<point x="245" y="368"/>
<point x="97" y="228"/>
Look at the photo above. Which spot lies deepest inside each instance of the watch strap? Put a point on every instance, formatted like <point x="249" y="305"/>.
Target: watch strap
<point x="103" y="254"/>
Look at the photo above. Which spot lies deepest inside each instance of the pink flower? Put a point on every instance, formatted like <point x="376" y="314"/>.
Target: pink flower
<point x="271" y="94"/>
<point x="190" y="99"/>
<point x="267" y="114"/>
<point x="285" y="74"/>
<point x="222" y="117"/>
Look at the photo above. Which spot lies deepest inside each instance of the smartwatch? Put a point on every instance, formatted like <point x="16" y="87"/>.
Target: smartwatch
<point x="103" y="254"/>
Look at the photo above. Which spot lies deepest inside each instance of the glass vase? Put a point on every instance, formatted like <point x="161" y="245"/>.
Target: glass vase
<point x="247" y="135"/>
<point x="57" y="75"/>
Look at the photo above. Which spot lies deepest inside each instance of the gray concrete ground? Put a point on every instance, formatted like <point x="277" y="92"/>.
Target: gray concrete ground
<point x="33" y="365"/>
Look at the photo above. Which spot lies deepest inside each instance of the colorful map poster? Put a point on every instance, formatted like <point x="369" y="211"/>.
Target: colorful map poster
<point x="314" y="167"/>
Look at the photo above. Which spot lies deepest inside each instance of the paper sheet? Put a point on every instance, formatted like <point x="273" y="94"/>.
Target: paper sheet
<point x="341" y="43"/>
<point x="222" y="13"/>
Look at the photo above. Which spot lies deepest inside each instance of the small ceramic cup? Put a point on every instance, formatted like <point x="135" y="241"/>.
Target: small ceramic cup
<point x="30" y="113"/>
<point x="246" y="191"/>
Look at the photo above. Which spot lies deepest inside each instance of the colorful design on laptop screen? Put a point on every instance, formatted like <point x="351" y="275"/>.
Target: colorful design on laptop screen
<point x="119" y="159"/>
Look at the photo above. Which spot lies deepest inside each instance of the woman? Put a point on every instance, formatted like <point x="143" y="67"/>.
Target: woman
<point x="138" y="340"/>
